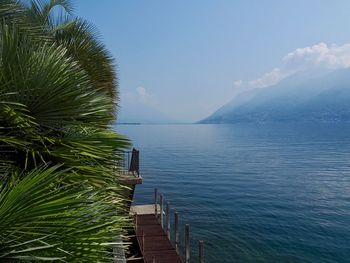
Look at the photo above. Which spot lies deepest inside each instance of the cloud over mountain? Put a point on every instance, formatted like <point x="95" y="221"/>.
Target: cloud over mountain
<point x="302" y="97"/>
<point x="319" y="56"/>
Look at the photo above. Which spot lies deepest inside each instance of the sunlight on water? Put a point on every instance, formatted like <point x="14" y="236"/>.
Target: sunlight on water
<point x="253" y="193"/>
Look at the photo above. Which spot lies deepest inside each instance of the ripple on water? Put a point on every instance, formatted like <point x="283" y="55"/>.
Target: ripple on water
<point x="254" y="194"/>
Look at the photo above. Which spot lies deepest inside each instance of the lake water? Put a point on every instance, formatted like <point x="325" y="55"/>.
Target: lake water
<point x="253" y="193"/>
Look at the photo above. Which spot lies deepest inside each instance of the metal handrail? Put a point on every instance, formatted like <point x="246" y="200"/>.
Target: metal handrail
<point x="177" y="243"/>
<point x="129" y="161"/>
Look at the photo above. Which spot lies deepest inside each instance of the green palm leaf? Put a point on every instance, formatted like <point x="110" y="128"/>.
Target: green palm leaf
<point x="44" y="220"/>
<point x="57" y="99"/>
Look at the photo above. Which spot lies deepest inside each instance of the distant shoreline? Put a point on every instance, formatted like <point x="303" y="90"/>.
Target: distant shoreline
<point x="145" y="123"/>
<point x="129" y="123"/>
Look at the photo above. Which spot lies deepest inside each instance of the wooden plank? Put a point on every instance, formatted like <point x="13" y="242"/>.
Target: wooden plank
<point x="130" y="178"/>
<point x="143" y="209"/>
<point x="146" y="220"/>
<point x="150" y="230"/>
<point x="162" y="257"/>
<point x="154" y="242"/>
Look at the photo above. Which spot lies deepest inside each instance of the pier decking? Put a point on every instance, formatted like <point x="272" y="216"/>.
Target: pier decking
<point x="151" y="242"/>
<point x="154" y="243"/>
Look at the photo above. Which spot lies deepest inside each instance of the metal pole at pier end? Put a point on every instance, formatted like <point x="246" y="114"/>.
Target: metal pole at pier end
<point x="161" y="210"/>
<point x="128" y="167"/>
<point x="137" y="161"/>
<point x="176" y="229"/>
<point x="187" y="243"/>
<point x="168" y="219"/>
<point x="201" y="251"/>
<point x="155" y="203"/>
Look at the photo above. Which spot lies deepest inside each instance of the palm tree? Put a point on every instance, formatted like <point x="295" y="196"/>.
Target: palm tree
<point x="42" y="220"/>
<point x="79" y="37"/>
<point x="57" y="152"/>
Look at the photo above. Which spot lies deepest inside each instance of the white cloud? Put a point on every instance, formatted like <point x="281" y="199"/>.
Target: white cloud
<point x="140" y="95"/>
<point x="141" y="91"/>
<point x="238" y="83"/>
<point x="270" y="78"/>
<point x="319" y="56"/>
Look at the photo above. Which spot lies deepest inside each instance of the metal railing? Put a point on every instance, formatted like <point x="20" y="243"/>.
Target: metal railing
<point x="129" y="161"/>
<point x="134" y="165"/>
<point x="160" y="217"/>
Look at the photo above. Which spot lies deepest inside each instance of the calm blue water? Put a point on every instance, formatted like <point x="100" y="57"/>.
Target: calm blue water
<point x="253" y="193"/>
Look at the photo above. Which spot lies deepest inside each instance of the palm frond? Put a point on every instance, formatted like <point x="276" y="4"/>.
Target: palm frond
<point x="44" y="220"/>
<point x="60" y="199"/>
<point x="82" y="42"/>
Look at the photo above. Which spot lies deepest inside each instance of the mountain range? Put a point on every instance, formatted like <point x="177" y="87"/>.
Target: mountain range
<point x="302" y="97"/>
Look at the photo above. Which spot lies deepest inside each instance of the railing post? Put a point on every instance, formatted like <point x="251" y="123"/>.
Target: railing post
<point x="168" y="219"/>
<point x="201" y="251"/>
<point x="135" y="214"/>
<point x="132" y="160"/>
<point x="128" y="167"/>
<point x="161" y="210"/>
<point x="176" y="229"/>
<point x="135" y="162"/>
<point x="143" y="241"/>
<point x="187" y="243"/>
<point x="155" y="203"/>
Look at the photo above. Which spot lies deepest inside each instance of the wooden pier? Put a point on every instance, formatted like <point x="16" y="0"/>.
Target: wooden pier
<point x="130" y="172"/>
<point x="153" y="241"/>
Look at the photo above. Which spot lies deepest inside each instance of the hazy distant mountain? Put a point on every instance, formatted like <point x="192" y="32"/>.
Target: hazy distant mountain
<point x="141" y="113"/>
<point x="307" y="97"/>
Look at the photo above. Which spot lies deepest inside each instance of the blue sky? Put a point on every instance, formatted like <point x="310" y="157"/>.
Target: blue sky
<point x="187" y="58"/>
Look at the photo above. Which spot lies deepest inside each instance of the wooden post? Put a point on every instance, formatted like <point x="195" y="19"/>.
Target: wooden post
<point x="155" y="203"/>
<point x="187" y="243"/>
<point x="168" y="219"/>
<point x="137" y="161"/>
<point x="176" y="229"/>
<point x="143" y="241"/>
<point x="135" y="214"/>
<point x="201" y="251"/>
<point x="128" y="165"/>
<point x="161" y="210"/>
